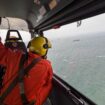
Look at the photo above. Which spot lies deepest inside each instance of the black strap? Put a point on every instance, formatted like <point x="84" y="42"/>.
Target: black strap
<point x="21" y="82"/>
<point x="16" y="80"/>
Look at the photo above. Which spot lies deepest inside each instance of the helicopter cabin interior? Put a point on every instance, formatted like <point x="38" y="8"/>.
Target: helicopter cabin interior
<point x="42" y="15"/>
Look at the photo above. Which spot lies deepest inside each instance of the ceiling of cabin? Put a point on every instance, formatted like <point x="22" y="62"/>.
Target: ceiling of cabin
<point x="15" y="8"/>
<point x="46" y="14"/>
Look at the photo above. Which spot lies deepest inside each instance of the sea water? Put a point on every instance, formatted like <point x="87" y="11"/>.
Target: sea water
<point x="80" y="61"/>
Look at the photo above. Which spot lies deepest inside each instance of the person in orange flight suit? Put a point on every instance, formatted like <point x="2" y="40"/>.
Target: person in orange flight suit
<point x="38" y="82"/>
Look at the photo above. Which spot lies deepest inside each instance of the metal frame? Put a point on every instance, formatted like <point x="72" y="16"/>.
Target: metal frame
<point x="91" y="9"/>
<point x="64" y="94"/>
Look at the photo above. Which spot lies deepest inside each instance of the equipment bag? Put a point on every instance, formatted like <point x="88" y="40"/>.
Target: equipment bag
<point x="19" y="79"/>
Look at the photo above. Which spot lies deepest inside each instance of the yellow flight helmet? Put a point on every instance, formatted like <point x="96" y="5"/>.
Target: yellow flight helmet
<point x="39" y="45"/>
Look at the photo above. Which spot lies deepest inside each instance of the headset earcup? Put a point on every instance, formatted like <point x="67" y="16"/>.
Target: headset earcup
<point x="45" y="46"/>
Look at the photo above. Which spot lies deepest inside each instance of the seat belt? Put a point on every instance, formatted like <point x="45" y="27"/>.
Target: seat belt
<point x="21" y="81"/>
<point x="16" y="80"/>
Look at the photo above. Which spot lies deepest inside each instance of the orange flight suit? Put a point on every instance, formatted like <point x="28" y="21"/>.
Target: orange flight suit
<point x="37" y="83"/>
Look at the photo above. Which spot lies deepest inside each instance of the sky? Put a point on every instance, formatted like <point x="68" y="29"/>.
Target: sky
<point x="90" y="25"/>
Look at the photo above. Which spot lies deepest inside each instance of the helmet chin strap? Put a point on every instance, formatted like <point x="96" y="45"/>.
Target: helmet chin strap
<point x="45" y="56"/>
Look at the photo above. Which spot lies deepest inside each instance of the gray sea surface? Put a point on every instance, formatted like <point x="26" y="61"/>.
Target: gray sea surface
<point x="80" y="61"/>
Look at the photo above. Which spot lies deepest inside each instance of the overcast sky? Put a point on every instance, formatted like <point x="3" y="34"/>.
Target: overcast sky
<point x="94" y="24"/>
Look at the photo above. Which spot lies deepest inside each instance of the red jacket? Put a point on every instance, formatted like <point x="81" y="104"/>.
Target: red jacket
<point x="37" y="84"/>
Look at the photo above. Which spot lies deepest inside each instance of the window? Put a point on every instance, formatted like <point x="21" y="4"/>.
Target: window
<point x="78" y="56"/>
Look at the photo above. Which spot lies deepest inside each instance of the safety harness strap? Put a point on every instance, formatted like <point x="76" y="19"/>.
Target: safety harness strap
<point x="21" y="81"/>
<point x="22" y="72"/>
<point x="18" y="79"/>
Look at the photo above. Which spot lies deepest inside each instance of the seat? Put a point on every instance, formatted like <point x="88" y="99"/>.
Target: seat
<point x="15" y="43"/>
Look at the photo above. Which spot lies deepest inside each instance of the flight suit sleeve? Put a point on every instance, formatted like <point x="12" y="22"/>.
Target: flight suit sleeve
<point x="45" y="88"/>
<point x="3" y="54"/>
